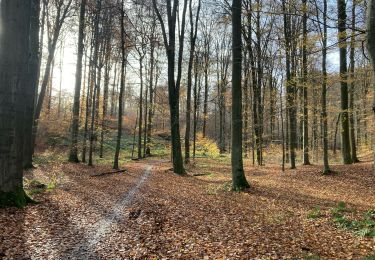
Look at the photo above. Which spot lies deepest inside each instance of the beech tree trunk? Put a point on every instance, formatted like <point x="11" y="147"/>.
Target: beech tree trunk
<point x="238" y="175"/>
<point x="345" y="133"/>
<point x="14" y="89"/>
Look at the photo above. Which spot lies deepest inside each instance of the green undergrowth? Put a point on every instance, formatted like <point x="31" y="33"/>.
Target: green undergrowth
<point x="34" y="186"/>
<point x="341" y="216"/>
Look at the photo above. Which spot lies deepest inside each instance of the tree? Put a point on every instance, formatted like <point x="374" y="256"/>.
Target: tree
<point x="238" y="175"/>
<point x="73" y="156"/>
<point x="326" y="169"/>
<point x="122" y="87"/>
<point x="34" y="68"/>
<point x="290" y="84"/>
<point x="174" y="85"/>
<point x="193" y="38"/>
<point x="345" y="135"/>
<point x="306" y="160"/>
<point x="353" y="143"/>
<point x="370" y="24"/>
<point x="15" y="18"/>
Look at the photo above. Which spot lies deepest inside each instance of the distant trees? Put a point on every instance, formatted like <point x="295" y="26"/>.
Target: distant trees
<point x="15" y="66"/>
<point x="55" y="20"/>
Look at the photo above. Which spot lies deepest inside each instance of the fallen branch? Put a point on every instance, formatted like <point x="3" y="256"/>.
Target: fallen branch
<point x="107" y="173"/>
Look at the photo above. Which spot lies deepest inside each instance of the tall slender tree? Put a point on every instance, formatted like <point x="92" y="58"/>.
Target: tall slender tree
<point x="238" y="175"/>
<point x="353" y="143"/>
<point x="34" y="68"/>
<point x="73" y="155"/>
<point x="306" y="160"/>
<point x="169" y="40"/>
<point x="370" y="24"/>
<point x="122" y="86"/>
<point x="193" y="38"/>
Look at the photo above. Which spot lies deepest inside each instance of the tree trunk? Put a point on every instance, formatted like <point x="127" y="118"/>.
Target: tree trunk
<point x="193" y="37"/>
<point x="353" y="143"/>
<point x="290" y="90"/>
<point x="345" y="133"/>
<point x="140" y="108"/>
<point x="73" y="156"/>
<point x="95" y="77"/>
<point x="370" y="23"/>
<point x="33" y="81"/>
<point x="306" y="160"/>
<point x="15" y="16"/>
<point x="238" y="175"/>
<point x="326" y="169"/>
<point x="122" y="88"/>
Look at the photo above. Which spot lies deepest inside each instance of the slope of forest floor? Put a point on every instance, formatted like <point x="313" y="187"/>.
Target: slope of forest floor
<point x="283" y="215"/>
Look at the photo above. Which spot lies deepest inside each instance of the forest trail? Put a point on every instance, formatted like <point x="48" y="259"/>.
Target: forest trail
<point x="107" y="225"/>
<point x="149" y="211"/>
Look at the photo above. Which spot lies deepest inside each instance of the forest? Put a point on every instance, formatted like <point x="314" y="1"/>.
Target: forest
<point x="187" y="129"/>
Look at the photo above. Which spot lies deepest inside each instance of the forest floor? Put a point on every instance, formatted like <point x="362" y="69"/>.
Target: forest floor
<point x="148" y="211"/>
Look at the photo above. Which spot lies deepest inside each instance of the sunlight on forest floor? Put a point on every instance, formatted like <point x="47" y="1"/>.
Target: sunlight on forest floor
<point x="297" y="214"/>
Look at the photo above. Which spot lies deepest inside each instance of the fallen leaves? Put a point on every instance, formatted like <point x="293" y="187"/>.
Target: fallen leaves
<point x="173" y="217"/>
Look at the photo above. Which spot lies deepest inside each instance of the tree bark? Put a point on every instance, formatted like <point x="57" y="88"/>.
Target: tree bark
<point x="14" y="88"/>
<point x="238" y="175"/>
<point x="345" y="133"/>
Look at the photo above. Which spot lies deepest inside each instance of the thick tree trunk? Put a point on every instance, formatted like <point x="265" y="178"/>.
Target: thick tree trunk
<point x="345" y="133"/>
<point x="73" y="156"/>
<point x="238" y="175"/>
<point x="14" y="88"/>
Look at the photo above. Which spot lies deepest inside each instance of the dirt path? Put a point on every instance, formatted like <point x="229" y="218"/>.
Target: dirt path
<point x="108" y="224"/>
<point x="149" y="211"/>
